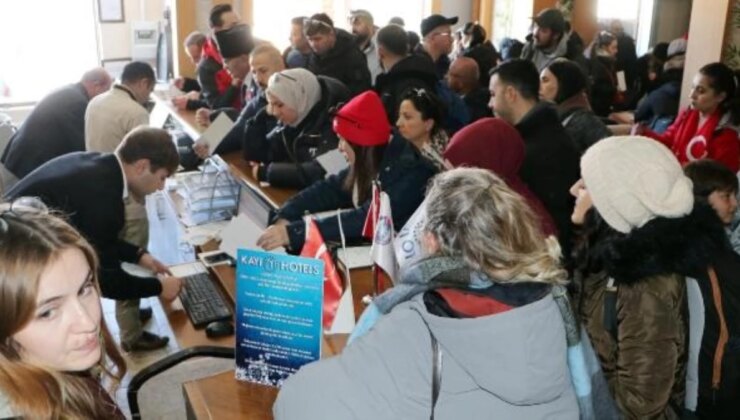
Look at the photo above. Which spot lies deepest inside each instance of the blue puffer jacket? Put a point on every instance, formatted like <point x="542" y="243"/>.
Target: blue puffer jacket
<point x="403" y="176"/>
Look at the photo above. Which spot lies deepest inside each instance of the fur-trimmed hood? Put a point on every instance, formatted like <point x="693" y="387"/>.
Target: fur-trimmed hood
<point x="684" y="245"/>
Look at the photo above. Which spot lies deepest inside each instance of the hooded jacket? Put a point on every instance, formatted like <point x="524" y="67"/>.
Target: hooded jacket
<point x="344" y="62"/>
<point x="507" y="365"/>
<point x="579" y="121"/>
<point x="551" y="166"/>
<point x="646" y="366"/>
<point x="289" y="153"/>
<point x="413" y="71"/>
<point x="567" y="48"/>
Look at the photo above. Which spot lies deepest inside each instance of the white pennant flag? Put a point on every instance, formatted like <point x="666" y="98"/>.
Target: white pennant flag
<point x="408" y="243"/>
<point x="382" y="249"/>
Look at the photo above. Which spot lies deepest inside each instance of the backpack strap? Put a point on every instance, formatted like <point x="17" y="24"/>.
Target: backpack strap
<point x="610" y="309"/>
<point x="719" y="352"/>
<point x="436" y="365"/>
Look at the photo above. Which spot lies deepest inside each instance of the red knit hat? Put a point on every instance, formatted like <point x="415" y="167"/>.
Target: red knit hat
<point x="363" y="121"/>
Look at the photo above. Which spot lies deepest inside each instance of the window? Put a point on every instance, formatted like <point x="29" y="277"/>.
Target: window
<point x="272" y="18"/>
<point x="512" y="19"/>
<point x="46" y="44"/>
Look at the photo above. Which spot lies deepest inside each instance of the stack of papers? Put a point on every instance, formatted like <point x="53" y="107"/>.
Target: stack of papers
<point x="207" y="196"/>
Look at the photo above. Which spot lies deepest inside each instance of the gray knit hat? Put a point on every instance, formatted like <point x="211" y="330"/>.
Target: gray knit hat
<point x="633" y="179"/>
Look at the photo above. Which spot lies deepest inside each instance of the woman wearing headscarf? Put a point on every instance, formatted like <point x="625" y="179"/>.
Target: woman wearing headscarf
<point x="493" y="144"/>
<point x="564" y="83"/>
<point x="373" y="153"/>
<point x="471" y="332"/>
<point x="300" y="101"/>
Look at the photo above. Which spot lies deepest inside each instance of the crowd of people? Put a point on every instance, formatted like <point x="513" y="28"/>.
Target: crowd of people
<point x="582" y="234"/>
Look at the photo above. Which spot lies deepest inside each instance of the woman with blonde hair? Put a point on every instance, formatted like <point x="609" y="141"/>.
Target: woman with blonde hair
<point x="55" y="350"/>
<point x="472" y="331"/>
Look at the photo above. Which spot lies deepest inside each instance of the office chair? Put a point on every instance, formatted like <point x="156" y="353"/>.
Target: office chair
<point x="167" y="363"/>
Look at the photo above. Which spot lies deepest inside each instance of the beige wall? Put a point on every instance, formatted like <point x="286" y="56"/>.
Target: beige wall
<point x="706" y="35"/>
<point x="114" y="39"/>
<point x="670" y="20"/>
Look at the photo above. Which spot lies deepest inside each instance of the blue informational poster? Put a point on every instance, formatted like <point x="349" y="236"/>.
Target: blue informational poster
<point x="278" y="315"/>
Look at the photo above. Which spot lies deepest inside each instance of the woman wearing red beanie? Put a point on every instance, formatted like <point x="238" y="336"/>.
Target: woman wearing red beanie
<point x="373" y="152"/>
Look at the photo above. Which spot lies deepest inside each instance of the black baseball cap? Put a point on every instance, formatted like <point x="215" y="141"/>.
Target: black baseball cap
<point x="551" y="19"/>
<point x="434" y="21"/>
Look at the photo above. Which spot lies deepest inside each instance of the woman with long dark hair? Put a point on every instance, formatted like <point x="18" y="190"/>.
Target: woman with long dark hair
<point x="707" y="128"/>
<point x="55" y="349"/>
<point x="373" y="153"/>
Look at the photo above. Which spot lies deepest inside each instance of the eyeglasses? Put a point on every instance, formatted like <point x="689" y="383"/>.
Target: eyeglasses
<point x="311" y="26"/>
<point x="19" y="206"/>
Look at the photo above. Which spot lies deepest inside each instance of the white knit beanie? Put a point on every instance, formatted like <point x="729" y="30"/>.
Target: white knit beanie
<point x="633" y="179"/>
<point x="298" y="88"/>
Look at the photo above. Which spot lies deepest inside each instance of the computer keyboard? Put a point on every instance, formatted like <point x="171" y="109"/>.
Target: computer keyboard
<point x="202" y="301"/>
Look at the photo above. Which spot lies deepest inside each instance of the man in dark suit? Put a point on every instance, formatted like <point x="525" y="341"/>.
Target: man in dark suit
<point x="56" y="126"/>
<point x="90" y="188"/>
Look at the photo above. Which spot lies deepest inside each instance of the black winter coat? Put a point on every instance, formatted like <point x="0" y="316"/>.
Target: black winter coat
<point x="414" y="71"/>
<point x="403" y="176"/>
<point x="583" y="127"/>
<point x="55" y="127"/>
<point x="344" y="62"/>
<point x="88" y="188"/>
<point x="289" y="153"/>
<point x="550" y="167"/>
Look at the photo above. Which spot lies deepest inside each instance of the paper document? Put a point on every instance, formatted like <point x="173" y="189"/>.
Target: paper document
<point x="355" y="257"/>
<point x="188" y="269"/>
<point x="216" y="131"/>
<point x="136" y="270"/>
<point x="241" y="232"/>
<point x="159" y="115"/>
<point x="621" y="82"/>
<point x="332" y="161"/>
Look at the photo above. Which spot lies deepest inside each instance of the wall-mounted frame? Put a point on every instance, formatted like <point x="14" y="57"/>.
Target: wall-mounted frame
<point x="110" y="11"/>
<point x="114" y="66"/>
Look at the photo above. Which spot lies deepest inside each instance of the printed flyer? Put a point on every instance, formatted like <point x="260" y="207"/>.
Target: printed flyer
<point x="278" y="315"/>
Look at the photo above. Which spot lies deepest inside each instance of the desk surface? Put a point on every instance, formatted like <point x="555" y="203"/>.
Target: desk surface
<point x="221" y="396"/>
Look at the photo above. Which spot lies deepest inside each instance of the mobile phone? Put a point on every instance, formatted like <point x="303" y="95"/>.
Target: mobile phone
<point x="216" y="258"/>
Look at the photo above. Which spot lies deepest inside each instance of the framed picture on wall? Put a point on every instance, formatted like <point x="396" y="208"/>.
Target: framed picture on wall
<point x="110" y="11"/>
<point x="114" y="66"/>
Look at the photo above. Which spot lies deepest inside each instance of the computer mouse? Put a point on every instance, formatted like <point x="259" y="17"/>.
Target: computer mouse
<point x="217" y="329"/>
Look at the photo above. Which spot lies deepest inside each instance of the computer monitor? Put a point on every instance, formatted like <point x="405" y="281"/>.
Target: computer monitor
<point x="253" y="205"/>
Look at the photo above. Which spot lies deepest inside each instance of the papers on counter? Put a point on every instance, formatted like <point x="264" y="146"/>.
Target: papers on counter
<point x="216" y="131"/>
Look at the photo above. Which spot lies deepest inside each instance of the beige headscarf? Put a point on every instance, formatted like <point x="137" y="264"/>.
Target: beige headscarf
<point x="297" y="88"/>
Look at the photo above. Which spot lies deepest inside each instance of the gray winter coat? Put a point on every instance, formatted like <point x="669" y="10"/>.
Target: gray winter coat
<point x="510" y="365"/>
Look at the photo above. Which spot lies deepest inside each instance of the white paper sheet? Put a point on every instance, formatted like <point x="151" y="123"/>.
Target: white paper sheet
<point x="355" y="257"/>
<point x="332" y="161"/>
<point x="216" y="131"/>
<point x="159" y="115"/>
<point x="241" y="232"/>
<point x="621" y="82"/>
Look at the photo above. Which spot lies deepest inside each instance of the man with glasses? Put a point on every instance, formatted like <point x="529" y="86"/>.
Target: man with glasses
<point x="436" y="32"/>
<point x="335" y="54"/>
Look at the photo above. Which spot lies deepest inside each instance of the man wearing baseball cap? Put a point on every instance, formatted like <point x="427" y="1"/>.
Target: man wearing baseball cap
<point x="436" y="33"/>
<point x="550" y="40"/>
